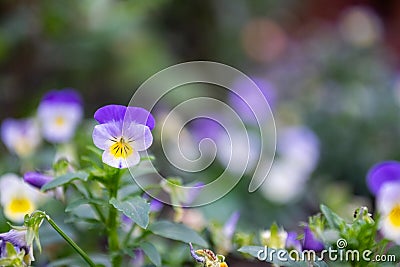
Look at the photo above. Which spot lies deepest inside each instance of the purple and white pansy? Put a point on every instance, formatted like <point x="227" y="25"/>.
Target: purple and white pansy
<point x="122" y="133"/>
<point x="59" y="113"/>
<point x="383" y="180"/>
<point x="21" y="136"/>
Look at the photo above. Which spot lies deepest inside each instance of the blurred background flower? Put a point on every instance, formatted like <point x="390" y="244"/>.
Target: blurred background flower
<point x="329" y="70"/>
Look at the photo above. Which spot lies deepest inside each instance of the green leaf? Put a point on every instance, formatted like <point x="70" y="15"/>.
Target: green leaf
<point x="395" y="252"/>
<point x="332" y="218"/>
<point x="137" y="209"/>
<point x="178" y="232"/>
<point x="82" y="201"/>
<point x="64" y="179"/>
<point x="151" y="252"/>
<point x="10" y="250"/>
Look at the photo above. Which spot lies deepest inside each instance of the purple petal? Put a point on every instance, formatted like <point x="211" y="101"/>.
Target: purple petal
<point x="140" y="116"/>
<point x="140" y="136"/>
<point x="246" y="111"/>
<point x="138" y="261"/>
<point x="16" y="238"/>
<point x="292" y="242"/>
<point x="127" y="114"/>
<point x="193" y="193"/>
<point x="230" y="225"/>
<point x="37" y="179"/>
<point x="155" y="205"/>
<point x="67" y="95"/>
<point x="110" y="113"/>
<point x="381" y="173"/>
<point x="195" y="256"/>
<point x="206" y="128"/>
<point x="310" y="242"/>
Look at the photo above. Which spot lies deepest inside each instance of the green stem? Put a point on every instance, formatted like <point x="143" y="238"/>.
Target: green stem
<point x="113" y="242"/>
<point x="71" y="242"/>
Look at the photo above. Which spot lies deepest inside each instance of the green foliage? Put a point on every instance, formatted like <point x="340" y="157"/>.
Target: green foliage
<point x="137" y="209"/>
<point x="177" y="231"/>
<point x="65" y="179"/>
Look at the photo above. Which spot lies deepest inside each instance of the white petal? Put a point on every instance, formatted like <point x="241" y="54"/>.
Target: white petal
<point x="389" y="230"/>
<point x="9" y="184"/>
<point x="140" y="135"/>
<point x="102" y="135"/>
<point x="120" y="162"/>
<point x="388" y="197"/>
<point x="50" y="114"/>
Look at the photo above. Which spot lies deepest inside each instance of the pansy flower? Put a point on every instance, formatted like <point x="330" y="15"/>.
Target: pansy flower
<point x="17" y="197"/>
<point x="122" y="133"/>
<point x="381" y="173"/>
<point x="37" y="179"/>
<point x="21" y="137"/>
<point x="59" y="113"/>
<point x="17" y="238"/>
<point x="388" y="204"/>
<point x="311" y="242"/>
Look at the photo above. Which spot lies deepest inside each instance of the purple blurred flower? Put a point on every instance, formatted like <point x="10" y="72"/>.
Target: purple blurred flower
<point x="21" y="137"/>
<point x="381" y="173"/>
<point x="230" y="225"/>
<point x="37" y="179"/>
<point x="246" y="111"/>
<point x="138" y="261"/>
<point x="206" y="128"/>
<point x="59" y="113"/>
<point x="18" y="239"/>
<point x="194" y="255"/>
<point x="122" y="133"/>
<point x="311" y="242"/>
<point x="193" y="194"/>
<point x="155" y="205"/>
<point x="292" y="242"/>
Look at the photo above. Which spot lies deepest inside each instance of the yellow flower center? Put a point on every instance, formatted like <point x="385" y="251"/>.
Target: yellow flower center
<point x="121" y="149"/>
<point x="23" y="147"/>
<point x="223" y="264"/>
<point x="394" y="216"/>
<point x="19" y="206"/>
<point x="59" y="121"/>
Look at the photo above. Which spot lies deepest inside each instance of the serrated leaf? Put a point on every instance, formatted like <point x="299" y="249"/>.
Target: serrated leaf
<point x="178" y="232"/>
<point x="64" y="179"/>
<point x="332" y="218"/>
<point x="137" y="209"/>
<point x="151" y="252"/>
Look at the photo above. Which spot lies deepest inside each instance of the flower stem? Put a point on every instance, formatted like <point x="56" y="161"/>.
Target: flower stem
<point x="71" y="242"/>
<point x="113" y="242"/>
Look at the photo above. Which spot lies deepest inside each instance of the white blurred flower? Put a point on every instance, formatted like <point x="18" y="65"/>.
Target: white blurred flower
<point x="21" y="137"/>
<point x="17" y="197"/>
<point x="59" y="113"/>
<point x="360" y="26"/>
<point x="299" y="146"/>
<point x="298" y="153"/>
<point x="284" y="183"/>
